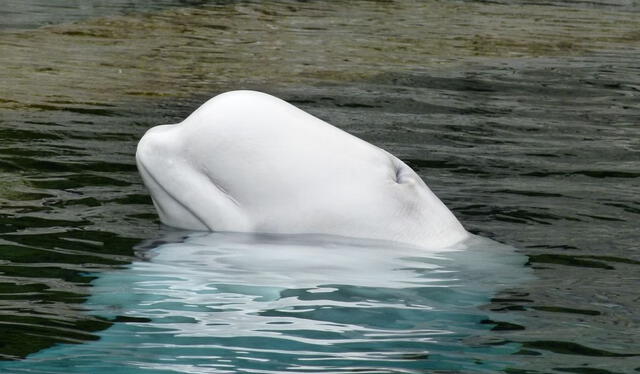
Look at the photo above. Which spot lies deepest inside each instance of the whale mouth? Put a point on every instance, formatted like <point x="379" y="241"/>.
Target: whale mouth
<point x="162" y="197"/>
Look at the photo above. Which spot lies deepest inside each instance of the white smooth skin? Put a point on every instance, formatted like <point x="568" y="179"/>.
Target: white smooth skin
<point x="246" y="161"/>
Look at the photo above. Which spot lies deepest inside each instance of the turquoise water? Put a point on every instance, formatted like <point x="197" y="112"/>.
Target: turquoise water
<point x="264" y="303"/>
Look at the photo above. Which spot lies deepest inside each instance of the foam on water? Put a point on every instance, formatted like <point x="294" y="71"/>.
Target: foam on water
<point x="227" y="302"/>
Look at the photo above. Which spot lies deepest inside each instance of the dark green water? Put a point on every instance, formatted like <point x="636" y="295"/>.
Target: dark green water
<point x="524" y="119"/>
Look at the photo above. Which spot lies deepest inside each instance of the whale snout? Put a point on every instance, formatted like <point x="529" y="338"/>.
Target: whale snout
<point x="164" y="175"/>
<point x="157" y="141"/>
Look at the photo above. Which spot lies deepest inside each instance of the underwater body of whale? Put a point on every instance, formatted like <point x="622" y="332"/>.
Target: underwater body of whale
<point x="246" y="161"/>
<point x="209" y="302"/>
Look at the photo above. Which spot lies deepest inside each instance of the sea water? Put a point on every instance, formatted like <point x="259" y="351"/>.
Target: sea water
<point x="230" y="302"/>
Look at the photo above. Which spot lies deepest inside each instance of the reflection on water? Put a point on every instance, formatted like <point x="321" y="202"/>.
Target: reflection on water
<point x="235" y="302"/>
<point x="522" y="118"/>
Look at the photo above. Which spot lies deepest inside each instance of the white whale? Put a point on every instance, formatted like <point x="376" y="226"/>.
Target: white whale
<point x="246" y="161"/>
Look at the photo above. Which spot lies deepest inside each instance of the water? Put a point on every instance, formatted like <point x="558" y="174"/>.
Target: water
<point x="522" y="118"/>
<point x="18" y="14"/>
<point x="238" y="302"/>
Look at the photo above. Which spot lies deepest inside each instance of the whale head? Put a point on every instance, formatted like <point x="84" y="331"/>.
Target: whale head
<point x="249" y="162"/>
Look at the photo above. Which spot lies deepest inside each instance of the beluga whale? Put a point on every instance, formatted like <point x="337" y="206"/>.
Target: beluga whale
<point x="246" y="161"/>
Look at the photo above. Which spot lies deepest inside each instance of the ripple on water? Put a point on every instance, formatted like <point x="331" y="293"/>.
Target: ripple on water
<point x="294" y="303"/>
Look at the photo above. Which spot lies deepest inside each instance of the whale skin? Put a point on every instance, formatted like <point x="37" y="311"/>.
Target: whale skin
<point x="246" y="161"/>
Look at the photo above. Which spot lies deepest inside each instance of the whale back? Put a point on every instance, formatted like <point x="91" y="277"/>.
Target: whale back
<point x="247" y="161"/>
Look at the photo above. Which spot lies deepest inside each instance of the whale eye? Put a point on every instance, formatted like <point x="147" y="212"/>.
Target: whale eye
<point x="398" y="176"/>
<point x="403" y="173"/>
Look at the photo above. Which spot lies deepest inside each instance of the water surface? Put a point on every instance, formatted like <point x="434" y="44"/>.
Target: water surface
<point x="522" y="117"/>
<point x="228" y="302"/>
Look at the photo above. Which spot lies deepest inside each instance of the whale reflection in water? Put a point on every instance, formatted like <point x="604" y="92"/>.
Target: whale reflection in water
<point x="229" y="302"/>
